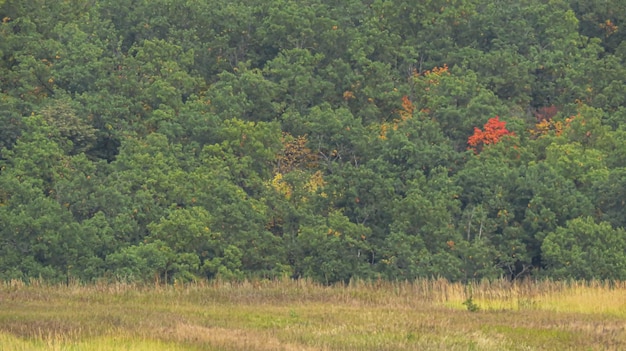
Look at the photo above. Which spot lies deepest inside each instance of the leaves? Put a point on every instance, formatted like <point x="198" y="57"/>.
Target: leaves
<point x="258" y="139"/>
<point x="492" y="132"/>
<point x="585" y="249"/>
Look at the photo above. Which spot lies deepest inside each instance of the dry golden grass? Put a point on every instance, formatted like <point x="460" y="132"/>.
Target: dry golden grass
<point x="301" y="315"/>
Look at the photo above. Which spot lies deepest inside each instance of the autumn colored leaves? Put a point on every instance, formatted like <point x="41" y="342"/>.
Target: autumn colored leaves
<point x="491" y="133"/>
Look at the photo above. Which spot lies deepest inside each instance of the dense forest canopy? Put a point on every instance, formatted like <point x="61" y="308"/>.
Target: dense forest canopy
<point x="187" y="139"/>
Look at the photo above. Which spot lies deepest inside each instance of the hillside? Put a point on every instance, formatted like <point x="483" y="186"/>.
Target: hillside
<point x="180" y="140"/>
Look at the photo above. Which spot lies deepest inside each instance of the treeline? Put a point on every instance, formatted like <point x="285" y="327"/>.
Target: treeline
<point x="395" y="139"/>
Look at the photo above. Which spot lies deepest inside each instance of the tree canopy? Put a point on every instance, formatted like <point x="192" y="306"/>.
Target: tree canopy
<point x="181" y="140"/>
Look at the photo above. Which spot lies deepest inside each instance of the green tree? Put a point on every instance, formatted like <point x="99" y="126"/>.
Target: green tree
<point x="456" y="100"/>
<point x="152" y="261"/>
<point x="294" y="72"/>
<point x="584" y="249"/>
<point x="423" y="235"/>
<point x="40" y="236"/>
<point x="186" y="232"/>
<point x="333" y="249"/>
<point x="601" y="20"/>
<point x="609" y="194"/>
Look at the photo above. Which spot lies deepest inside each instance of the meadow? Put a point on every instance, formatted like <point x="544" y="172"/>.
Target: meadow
<point x="302" y="315"/>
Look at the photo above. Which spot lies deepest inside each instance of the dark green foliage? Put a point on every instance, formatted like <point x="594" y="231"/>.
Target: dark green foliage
<point x="584" y="249"/>
<point x="471" y="305"/>
<point x="178" y="140"/>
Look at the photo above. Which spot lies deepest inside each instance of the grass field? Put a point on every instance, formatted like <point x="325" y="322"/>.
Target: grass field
<point x="300" y="315"/>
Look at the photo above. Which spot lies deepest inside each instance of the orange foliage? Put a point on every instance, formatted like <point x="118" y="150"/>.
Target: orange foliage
<point x="405" y="113"/>
<point x="609" y="27"/>
<point x="407" y="108"/>
<point x="492" y="132"/>
<point x="547" y="112"/>
<point x="437" y="71"/>
<point x="547" y="126"/>
<point x="295" y="154"/>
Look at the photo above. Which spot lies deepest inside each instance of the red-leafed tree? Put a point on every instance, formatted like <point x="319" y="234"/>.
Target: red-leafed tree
<point x="492" y="132"/>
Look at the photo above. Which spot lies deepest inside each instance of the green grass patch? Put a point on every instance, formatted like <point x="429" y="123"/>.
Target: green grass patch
<point x="289" y="315"/>
<point x="10" y="342"/>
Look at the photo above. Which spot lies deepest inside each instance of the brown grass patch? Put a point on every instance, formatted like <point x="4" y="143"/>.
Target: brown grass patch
<point x="301" y="315"/>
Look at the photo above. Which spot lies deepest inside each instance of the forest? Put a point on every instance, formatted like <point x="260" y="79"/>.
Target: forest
<point x="177" y="140"/>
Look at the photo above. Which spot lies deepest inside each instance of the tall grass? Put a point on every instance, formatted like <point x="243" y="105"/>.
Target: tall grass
<point x="302" y="315"/>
